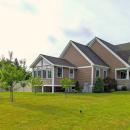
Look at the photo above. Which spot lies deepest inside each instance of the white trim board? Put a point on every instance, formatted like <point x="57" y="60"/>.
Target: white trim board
<point x="83" y="67"/>
<point x="102" y="66"/>
<point x="122" y="68"/>
<point x="64" y="66"/>
<point x="56" y="85"/>
<point x="46" y="59"/>
<point x="42" y="58"/>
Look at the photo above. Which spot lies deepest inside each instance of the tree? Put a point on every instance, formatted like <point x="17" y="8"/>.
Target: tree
<point x="16" y="62"/>
<point x="66" y="83"/>
<point x="10" y="55"/>
<point x="99" y="86"/>
<point x="9" y="75"/>
<point x="35" y="82"/>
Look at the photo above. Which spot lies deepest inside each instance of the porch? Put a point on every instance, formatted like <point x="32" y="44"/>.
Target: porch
<point x="122" y="75"/>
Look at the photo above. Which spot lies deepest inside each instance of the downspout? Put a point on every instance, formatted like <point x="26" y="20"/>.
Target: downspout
<point x="92" y="77"/>
<point x="53" y="76"/>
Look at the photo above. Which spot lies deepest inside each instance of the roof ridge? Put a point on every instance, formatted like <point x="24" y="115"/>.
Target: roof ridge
<point x="77" y="42"/>
<point x="52" y="56"/>
<point x="123" y="43"/>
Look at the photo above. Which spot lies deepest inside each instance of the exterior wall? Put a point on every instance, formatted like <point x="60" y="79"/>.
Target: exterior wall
<point x="74" y="57"/>
<point x="47" y="81"/>
<point x="65" y="75"/>
<point x="83" y="75"/>
<point x="108" y="57"/>
<point x="101" y="73"/>
<point x="123" y="83"/>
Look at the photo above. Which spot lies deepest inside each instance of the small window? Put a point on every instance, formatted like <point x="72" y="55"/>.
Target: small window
<point x="97" y="73"/>
<point x="60" y="72"/>
<point x="71" y="73"/>
<point x="44" y="73"/>
<point x="105" y="74"/>
<point x="49" y="74"/>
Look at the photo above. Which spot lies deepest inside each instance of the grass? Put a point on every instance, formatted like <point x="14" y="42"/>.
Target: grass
<point x="48" y="111"/>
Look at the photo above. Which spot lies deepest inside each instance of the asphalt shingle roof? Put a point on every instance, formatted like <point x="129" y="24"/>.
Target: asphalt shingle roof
<point x="90" y="54"/>
<point x="122" y="50"/>
<point x="58" y="61"/>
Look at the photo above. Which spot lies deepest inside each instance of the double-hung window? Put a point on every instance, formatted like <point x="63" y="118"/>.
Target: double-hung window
<point x="60" y="72"/>
<point x="104" y="74"/>
<point x="97" y="74"/>
<point x="39" y="73"/>
<point x="71" y="73"/>
<point x="49" y="74"/>
<point x="44" y="74"/>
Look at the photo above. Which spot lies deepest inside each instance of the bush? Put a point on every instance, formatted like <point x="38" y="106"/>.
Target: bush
<point x="110" y="84"/>
<point x="77" y="86"/>
<point x="99" y="86"/>
<point x="123" y="88"/>
<point x="66" y="83"/>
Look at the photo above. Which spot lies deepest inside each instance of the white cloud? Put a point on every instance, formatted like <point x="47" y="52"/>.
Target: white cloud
<point x="26" y="25"/>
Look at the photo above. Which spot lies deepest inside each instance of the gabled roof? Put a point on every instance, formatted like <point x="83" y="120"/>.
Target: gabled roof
<point x="114" y="49"/>
<point x="122" y="50"/>
<point x="58" y="61"/>
<point x="90" y="54"/>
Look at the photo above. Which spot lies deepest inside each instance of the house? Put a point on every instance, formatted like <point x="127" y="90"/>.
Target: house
<point x="84" y="63"/>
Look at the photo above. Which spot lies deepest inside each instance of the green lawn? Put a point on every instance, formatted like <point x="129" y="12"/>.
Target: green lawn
<point x="48" y="111"/>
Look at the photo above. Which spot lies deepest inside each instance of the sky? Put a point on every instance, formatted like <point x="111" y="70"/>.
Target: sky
<point x="33" y="27"/>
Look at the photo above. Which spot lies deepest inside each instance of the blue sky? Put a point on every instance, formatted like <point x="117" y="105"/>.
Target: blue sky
<point x="31" y="27"/>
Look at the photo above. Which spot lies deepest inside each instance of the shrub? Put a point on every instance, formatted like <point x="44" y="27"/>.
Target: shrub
<point x="99" y="86"/>
<point x="66" y="83"/>
<point x="123" y="88"/>
<point x="77" y="86"/>
<point x="110" y="84"/>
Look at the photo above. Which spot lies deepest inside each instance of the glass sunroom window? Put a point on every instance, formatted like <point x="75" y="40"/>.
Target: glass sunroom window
<point x="39" y="73"/>
<point x="44" y="73"/>
<point x="49" y="74"/>
<point x="121" y="74"/>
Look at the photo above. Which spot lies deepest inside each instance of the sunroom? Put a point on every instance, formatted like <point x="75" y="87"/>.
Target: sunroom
<point x="122" y="74"/>
<point x="51" y="70"/>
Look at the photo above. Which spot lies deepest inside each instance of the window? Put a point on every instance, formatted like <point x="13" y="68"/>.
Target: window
<point x="105" y="74"/>
<point x="97" y="73"/>
<point x="44" y="74"/>
<point x="39" y="73"/>
<point x="35" y="73"/>
<point x="60" y="72"/>
<point x="121" y="74"/>
<point x="71" y="73"/>
<point x="49" y="74"/>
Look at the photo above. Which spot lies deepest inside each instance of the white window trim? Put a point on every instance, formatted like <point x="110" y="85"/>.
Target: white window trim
<point x="99" y="72"/>
<point x="73" y="73"/>
<point x="57" y="72"/>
